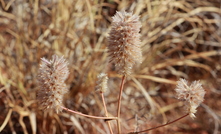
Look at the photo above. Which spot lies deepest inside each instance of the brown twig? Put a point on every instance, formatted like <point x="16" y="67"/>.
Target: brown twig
<point x="119" y="104"/>
<point x="168" y="123"/>
<point x="106" y="113"/>
<point x="89" y="116"/>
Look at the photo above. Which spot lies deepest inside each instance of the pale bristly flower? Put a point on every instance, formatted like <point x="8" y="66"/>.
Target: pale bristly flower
<point x="102" y="83"/>
<point x="192" y="94"/>
<point x="124" y="42"/>
<point x="51" y="77"/>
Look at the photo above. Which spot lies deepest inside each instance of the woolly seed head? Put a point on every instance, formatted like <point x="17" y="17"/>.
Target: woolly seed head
<point x="51" y="77"/>
<point x="124" y="42"/>
<point x="193" y="94"/>
<point x="102" y="83"/>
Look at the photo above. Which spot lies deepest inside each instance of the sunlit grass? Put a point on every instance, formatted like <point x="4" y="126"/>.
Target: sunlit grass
<point x="180" y="39"/>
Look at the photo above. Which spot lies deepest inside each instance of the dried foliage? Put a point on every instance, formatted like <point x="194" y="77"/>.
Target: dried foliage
<point x="179" y="38"/>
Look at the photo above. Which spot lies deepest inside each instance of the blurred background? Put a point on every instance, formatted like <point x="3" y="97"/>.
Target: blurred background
<point x="180" y="39"/>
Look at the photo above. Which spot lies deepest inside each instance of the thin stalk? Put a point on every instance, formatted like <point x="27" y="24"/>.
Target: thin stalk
<point x="160" y="125"/>
<point x="119" y="104"/>
<point x="106" y="113"/>
<point x="89" y="116"/>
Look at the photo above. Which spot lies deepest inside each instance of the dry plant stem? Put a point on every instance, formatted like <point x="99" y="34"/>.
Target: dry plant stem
<point x="6" y="120"/>
<point x="119" y="104"/>
<point x="160" y="125"/>
<point x="106" y="113"/>
<point x="89" y="116"/>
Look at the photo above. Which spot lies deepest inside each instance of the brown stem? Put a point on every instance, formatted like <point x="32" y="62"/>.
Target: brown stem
<point x="89" y="116"/>
<point x="119" y="104"/>
<point x="106" y="113"/>
<point x="160" y="125"/>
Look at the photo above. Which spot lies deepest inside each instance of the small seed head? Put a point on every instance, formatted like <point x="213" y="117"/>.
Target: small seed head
<point x="124" y="42"/>
<point x="192" y="94"/>
<point x="102" y="83"/>
<point x="51" y="77"/>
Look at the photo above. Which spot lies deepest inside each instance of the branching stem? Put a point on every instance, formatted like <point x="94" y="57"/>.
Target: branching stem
<point x="106" y="113"/>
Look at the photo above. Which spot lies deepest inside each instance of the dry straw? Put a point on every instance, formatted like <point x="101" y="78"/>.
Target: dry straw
<point x="51" y="76"/>
<point x="178" y="39"/>
<point x="124" y="42"/>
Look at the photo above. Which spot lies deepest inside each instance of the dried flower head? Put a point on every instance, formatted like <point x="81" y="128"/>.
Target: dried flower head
<point x="192" y="94"/>
<point x="124" y="42"/>
<point x="51" y="76"/>
<point x="102" y="83"/>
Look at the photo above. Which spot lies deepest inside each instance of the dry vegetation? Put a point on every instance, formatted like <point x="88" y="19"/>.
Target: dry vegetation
<point x="180" y="38"/>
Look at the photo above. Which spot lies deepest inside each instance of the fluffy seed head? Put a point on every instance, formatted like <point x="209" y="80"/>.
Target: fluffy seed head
<point x="193" y="94"/>
<point x="124" y="42"/>
<point x="51" y="77"/>
<point x="102" y="83"/>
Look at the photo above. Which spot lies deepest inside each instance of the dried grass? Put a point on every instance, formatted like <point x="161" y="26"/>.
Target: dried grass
<point x="180" y="38"/>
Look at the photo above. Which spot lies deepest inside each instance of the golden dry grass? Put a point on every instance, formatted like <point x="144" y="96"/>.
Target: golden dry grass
<point x="180" y="38"/>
